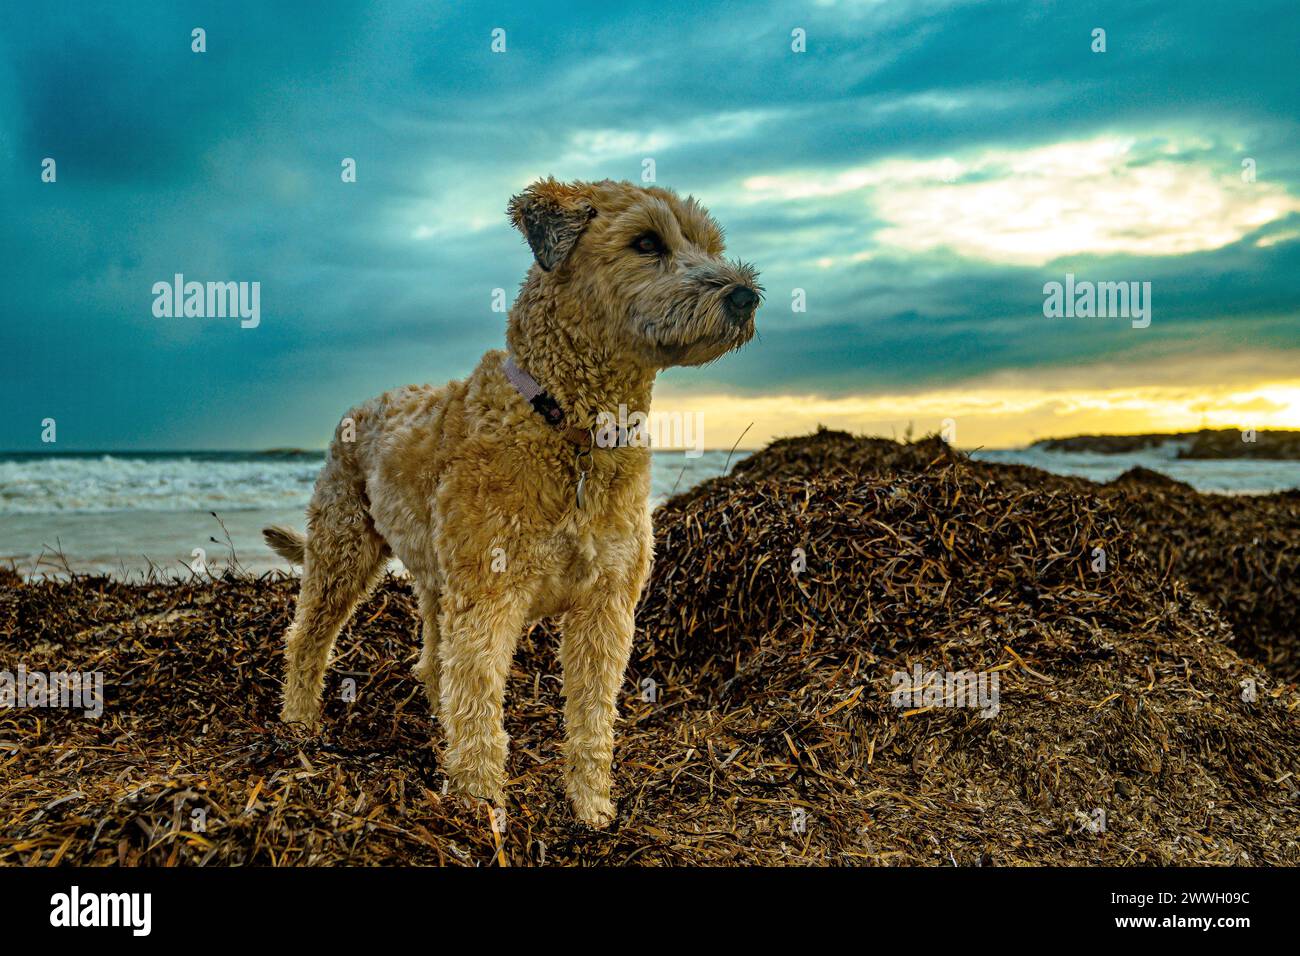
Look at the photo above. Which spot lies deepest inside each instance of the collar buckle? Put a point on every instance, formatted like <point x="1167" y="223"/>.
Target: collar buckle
<point x="546" y="406"/>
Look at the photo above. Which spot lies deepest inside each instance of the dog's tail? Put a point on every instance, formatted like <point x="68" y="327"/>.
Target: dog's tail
<point x="285" y="542"/>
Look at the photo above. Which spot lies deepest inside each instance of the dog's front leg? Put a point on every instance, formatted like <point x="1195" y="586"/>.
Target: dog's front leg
<point x="478" y="642"/>
<point x="594" y="652"/>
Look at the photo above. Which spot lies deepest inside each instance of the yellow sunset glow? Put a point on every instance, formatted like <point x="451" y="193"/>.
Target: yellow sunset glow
<point x="1005" y="411"/>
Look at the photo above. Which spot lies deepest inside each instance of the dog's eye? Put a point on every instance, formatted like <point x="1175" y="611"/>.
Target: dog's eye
<point x="649" y="244"/>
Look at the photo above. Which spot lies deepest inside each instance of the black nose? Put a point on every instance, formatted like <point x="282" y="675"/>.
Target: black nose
<point x="741" y="299"/>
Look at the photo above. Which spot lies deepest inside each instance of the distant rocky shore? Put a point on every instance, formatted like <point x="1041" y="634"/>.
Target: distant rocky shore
<point x="1206" y="443"/>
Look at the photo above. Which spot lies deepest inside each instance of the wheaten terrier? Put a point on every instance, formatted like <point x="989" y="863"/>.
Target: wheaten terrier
<point x="498" y="495"/>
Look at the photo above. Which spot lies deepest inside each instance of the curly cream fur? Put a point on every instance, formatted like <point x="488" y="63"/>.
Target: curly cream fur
<point x="476" y="494"/>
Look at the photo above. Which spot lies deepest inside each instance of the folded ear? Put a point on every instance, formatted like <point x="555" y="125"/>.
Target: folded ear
<point x="551" y="215"/>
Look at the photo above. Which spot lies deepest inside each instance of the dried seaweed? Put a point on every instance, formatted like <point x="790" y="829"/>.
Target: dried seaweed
<point x="1241" y="553"/>
<point x="758" y="726"/>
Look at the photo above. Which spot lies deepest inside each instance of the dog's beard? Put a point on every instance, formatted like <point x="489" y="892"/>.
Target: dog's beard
<point x="691" y="332"/>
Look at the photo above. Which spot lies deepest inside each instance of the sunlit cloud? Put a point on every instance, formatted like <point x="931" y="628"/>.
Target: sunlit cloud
<point x="594" y="147"/>
<point x="1104" y="196"/>
<point x="1273" y="239"/>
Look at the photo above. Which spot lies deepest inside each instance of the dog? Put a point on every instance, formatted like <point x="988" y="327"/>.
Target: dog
<point x="496" y="493"/>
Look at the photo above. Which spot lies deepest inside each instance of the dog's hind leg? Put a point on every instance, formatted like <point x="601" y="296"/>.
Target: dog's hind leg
<point x="344" y="555"/>
<point x="428" y="666"/>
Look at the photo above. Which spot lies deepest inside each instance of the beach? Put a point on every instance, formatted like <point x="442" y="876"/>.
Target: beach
<point x="1106" y="676"/>
<point x="131" y="514"/>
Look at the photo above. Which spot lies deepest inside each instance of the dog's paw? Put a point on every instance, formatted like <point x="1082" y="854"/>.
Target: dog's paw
<point x="300" y="720"/>
<point x="595" y="812"/>
<point x="481" y="786"/>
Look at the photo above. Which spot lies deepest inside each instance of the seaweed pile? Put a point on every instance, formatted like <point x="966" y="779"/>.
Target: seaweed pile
<point x="785" y="607"/>
<point x="1241" y="553"/>
<point x="827" y="453"/>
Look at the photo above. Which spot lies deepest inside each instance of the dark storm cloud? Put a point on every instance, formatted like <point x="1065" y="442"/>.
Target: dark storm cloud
<point x="225" y="166"/>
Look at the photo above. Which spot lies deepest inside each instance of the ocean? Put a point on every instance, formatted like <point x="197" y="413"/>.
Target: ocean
<point x="1232" y="476"/>
<point x="123" y="514"/>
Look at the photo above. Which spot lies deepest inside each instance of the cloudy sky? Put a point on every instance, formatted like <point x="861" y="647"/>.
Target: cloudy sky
<point x="920" y="171"/>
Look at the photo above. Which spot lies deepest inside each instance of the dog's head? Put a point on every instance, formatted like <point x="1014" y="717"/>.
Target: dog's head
<point x="636" y="269"/>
